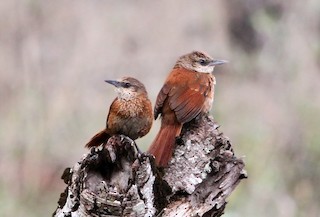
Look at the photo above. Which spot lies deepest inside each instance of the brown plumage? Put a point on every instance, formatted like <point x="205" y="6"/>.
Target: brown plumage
<point x="187" y="92"/>
<point x="130" y="114"/>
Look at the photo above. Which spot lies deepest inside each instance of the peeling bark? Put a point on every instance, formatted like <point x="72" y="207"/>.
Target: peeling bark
<point x="114" y="180"/>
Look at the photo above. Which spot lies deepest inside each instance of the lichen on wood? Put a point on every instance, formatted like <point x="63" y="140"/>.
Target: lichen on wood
<point x="115" y="180"/>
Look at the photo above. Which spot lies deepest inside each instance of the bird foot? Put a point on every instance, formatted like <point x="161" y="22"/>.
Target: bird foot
<point x="179" y="140"/>
<point x="137" y="148"/>
<point x="133" y="144"/>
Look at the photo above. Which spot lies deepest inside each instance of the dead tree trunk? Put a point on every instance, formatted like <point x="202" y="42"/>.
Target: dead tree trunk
<point x="114" y="180"/>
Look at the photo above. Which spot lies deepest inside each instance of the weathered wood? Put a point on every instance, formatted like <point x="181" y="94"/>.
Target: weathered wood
<point x="114" y="180"/>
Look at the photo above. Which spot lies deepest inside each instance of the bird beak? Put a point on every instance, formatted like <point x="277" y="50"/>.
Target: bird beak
<point x="114" y="82"/>
<point x="217" y="62"/>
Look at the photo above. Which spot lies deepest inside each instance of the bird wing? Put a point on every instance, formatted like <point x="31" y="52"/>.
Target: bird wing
<point x="162" y="96"/>
<point x="186" y="97"/>
<point x="113" y="113"/>
<point x="187" y="103"/>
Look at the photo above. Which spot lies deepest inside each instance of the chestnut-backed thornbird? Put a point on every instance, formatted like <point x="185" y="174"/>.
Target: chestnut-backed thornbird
<point x="130" y="114"/>
<point x="187" y="92"/>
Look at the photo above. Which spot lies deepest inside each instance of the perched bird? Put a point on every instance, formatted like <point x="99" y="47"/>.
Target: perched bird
<point x="130" y="114"/>
<point x="187" y="92"/>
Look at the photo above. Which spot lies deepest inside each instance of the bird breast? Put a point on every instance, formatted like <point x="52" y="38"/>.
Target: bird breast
<point x="130" y="107"/>
<point x="129" y="117"/>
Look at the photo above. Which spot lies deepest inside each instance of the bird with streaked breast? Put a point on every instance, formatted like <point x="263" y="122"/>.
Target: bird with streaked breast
<point x="130" y="114"/>
<point x="187" y="92"/>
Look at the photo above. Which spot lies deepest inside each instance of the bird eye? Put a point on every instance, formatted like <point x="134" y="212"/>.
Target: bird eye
<point x="203" y="62"/>
<point x="126" y="85"/>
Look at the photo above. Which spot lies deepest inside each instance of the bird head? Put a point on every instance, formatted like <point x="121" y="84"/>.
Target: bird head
<point x="199" y="62"/>
<point x="128" y="88"/>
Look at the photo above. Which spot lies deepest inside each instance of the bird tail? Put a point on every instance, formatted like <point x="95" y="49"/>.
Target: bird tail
<point x="98" y="139"/>
<point x="163" y="145"/>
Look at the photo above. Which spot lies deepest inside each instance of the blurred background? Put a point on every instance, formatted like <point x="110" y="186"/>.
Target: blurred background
<point x="55" y="56"/>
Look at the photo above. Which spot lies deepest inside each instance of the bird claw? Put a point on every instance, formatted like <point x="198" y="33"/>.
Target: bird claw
<point x="123" y="137"/>
<point x="179" y="140"/>
<point x="132" y="142"/>
<point x="161" y="212"/>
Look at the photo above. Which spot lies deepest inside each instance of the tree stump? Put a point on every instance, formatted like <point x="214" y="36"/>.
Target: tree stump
<point x="115" y="180"/>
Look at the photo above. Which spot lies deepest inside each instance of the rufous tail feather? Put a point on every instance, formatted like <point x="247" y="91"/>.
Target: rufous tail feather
<point x="98" y="139"/>
<point x="163" y="145"/>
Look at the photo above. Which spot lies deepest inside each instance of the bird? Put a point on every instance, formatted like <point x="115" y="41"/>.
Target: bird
<point x="187" y="92"/>
<point x="130" y="113"/>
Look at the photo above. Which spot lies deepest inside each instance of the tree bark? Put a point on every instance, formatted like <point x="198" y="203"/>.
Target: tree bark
<point x="115" y="180"/>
